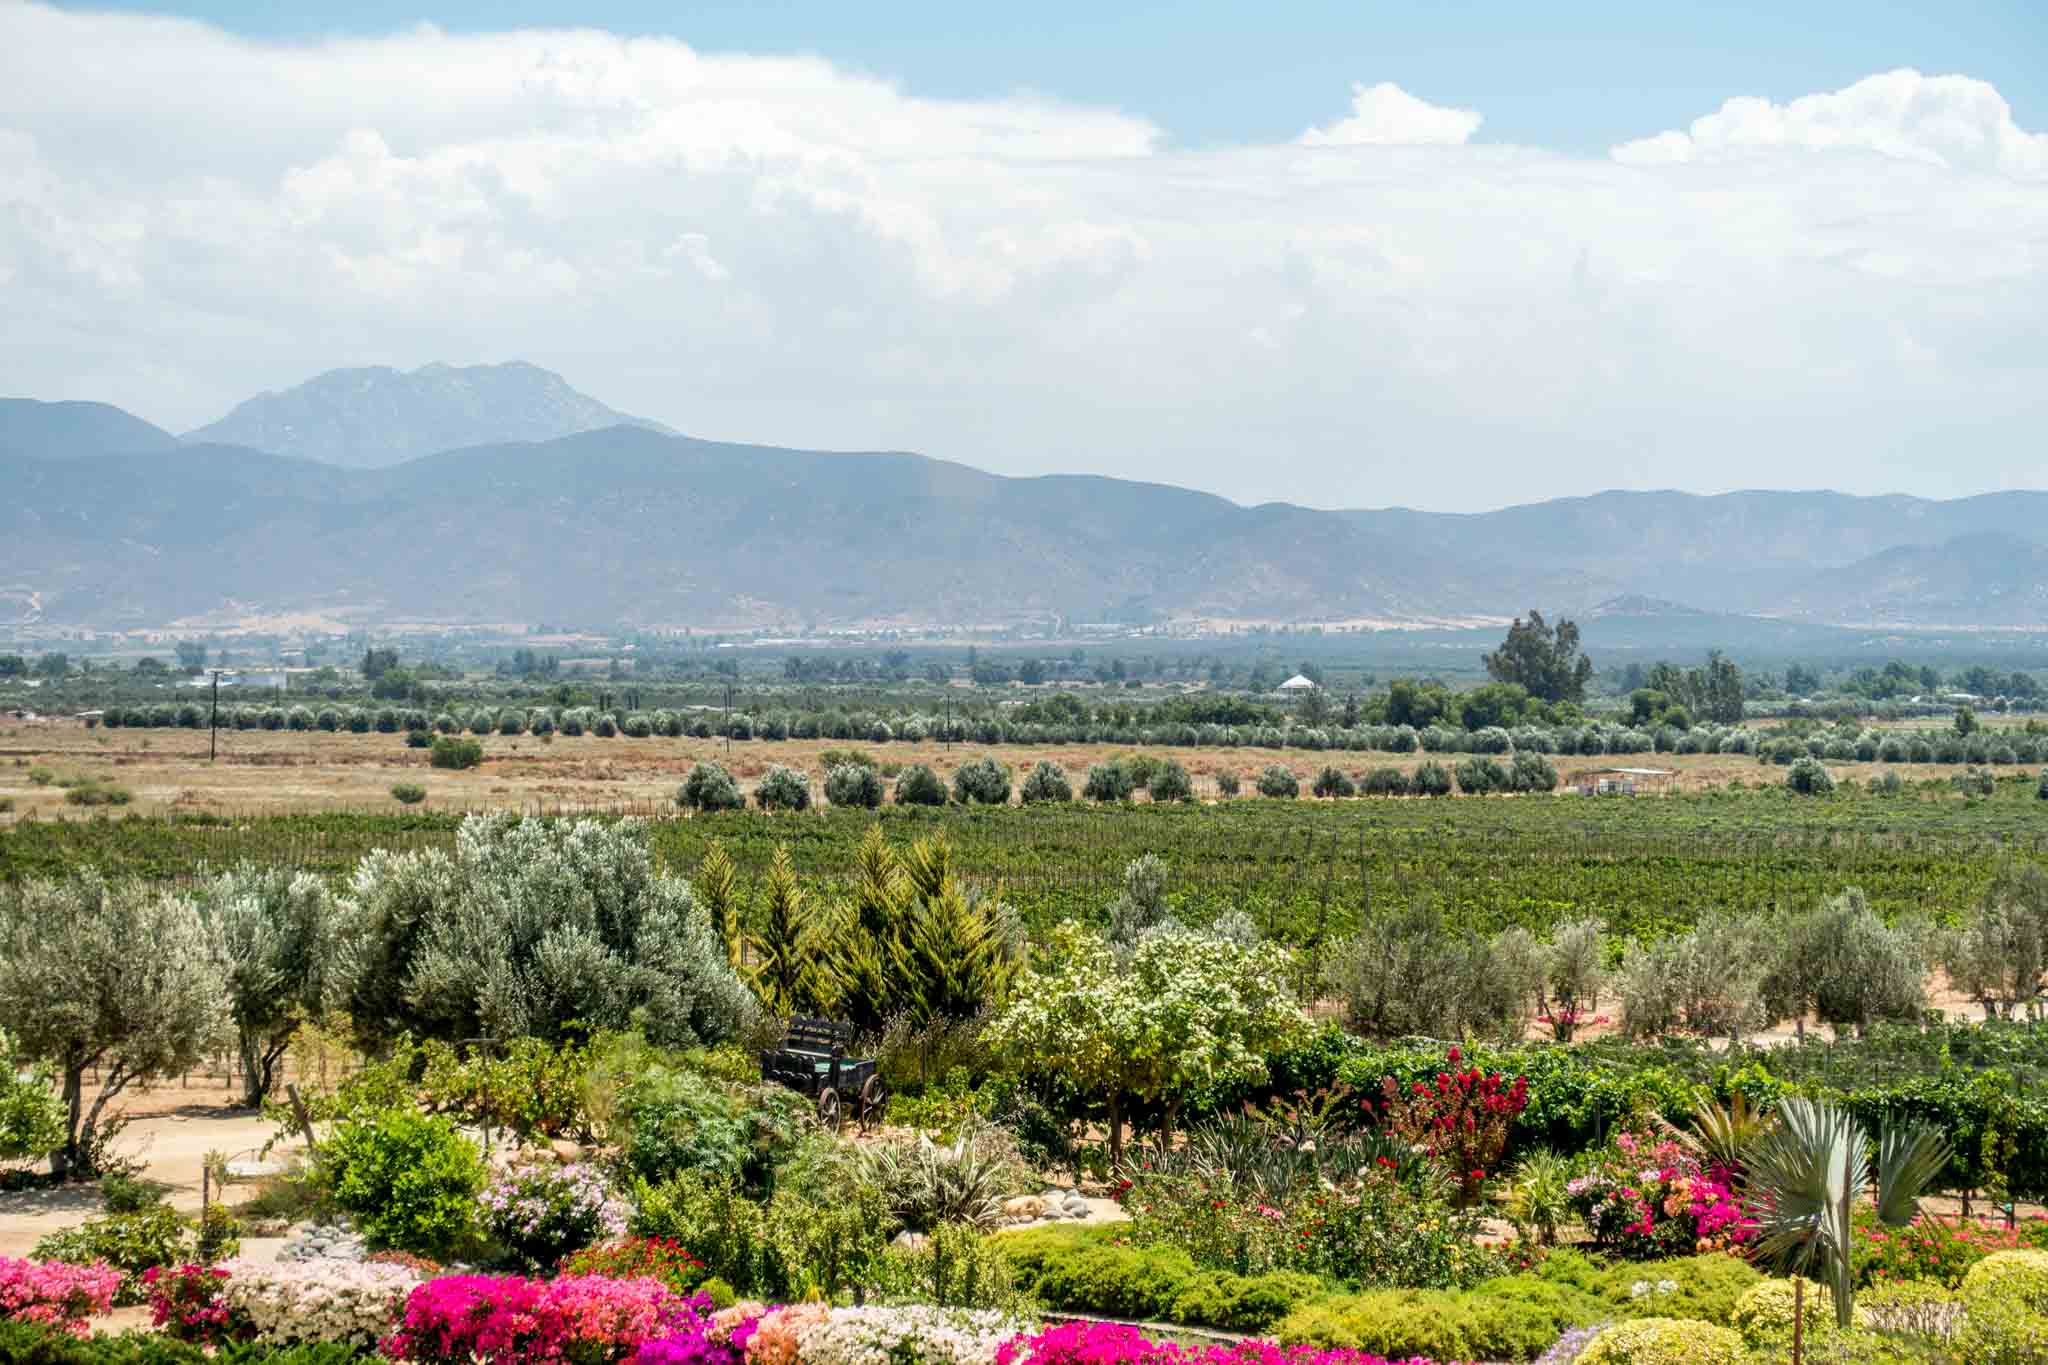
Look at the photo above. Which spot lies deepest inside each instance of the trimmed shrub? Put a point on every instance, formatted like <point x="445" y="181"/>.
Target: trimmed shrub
<point x="1111" y="781"/>
<point x="1664" y="1341"/>
<point x="783" y="789"/>
<point x="1226" y="783"/>
<point x="1045" y="782"/>
<point x="1764" y="1312"/>
<point x="604" y="725"/>
<point x="853" y="784"/>
<point x="1511" y="1319"/>
<point x="918" y="785"/>
<point x="1170" y="782"/>
<point x="450" y="752"/>
<point x="709" y="787"/>
<point x="2005" y="1309"/>
<point x="408" y="793"/>
<point x="981" y="781"/>
<point x="1278" y="782"/>
<point x="1332" y="782"/>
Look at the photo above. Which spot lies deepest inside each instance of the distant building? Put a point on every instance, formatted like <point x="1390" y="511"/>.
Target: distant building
<point x="1297" y="685"/>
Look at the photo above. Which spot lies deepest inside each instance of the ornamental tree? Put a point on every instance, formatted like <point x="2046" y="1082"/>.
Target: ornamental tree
<point x="113" y="975"/>
<point x="1185" y="1012"/>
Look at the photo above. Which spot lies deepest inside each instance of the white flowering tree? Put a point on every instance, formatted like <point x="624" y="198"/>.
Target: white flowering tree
<point x="1184" y="1012"/>
<point x="528" y="926"/>
<point x="113" y="975"/>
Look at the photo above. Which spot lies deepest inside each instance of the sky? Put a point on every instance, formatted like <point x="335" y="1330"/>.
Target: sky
<point x="1451" y="256"/>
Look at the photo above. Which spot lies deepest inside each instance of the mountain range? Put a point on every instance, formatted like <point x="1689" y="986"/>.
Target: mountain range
<point x="501" y="494"/>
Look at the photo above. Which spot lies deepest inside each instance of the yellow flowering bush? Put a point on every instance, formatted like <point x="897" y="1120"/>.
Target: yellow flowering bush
<point x="1664" y="1341"/>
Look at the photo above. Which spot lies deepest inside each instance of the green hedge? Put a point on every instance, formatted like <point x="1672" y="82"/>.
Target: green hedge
<point x="27" y="1344"/>
<point x="1078" y="1270"/>
<point x="1518" y="1317"/>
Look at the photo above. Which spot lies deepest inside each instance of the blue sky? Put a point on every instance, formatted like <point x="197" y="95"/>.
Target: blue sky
<point x="1451" y="256"/>
<point x="1574" y="75"/>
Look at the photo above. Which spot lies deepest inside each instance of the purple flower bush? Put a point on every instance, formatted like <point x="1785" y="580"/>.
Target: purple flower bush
<point x="541" y="1212"/>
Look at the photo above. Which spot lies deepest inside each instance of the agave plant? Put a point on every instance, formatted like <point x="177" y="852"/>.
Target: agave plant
<point x="1806" y="1175"/>
<point x="928" y="1183"/>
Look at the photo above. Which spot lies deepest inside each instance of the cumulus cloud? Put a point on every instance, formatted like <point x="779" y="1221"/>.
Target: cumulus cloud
<point x="772" y="249"/>
<point x="1949" y="121"/>
<point x="1385" y="115"/>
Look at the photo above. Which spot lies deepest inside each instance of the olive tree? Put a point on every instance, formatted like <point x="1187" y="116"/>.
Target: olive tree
<point x="528" y="926"/>
<point x="2001" y="955"/>
<point x="113" y="975"/>
<point x="1709" y="980"/>
<point x="853" y="784"/>
<point x="276" y="931"/>
<point x="783" y="789"/>
<point x="918" y="785"/>
<point x="710" y="787"/>
<point x="981" y="781"/>
<point x="1185" y="1013"/>
<point x="1046" y="782"/>
<point x="1842" y="963"/>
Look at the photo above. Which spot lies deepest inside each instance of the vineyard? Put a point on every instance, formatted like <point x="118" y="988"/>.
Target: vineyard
<point x="1303" y="870"/>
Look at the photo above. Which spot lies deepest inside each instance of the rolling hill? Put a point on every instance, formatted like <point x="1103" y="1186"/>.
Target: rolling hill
<point x="59" y="430"/>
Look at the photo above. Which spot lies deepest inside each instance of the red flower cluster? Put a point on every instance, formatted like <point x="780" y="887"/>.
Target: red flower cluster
<point x="1461" y="1120"/>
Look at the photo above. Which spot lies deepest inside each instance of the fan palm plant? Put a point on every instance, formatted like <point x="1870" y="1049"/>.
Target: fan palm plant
<point x="1806" y="1175"/>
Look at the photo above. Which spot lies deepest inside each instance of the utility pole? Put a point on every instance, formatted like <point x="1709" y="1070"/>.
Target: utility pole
<point x="728" y="720"/>
<point x="213" y="722"/>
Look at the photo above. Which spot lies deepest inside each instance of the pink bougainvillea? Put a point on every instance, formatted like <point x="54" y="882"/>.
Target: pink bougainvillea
<point x="57" y="1295"/>
<point x="516" y="1321"/>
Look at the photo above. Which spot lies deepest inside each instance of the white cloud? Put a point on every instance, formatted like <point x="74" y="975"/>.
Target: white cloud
<point x="771" y="249"/>
<point x="1949" y="121"/>
<point x="1385" y="115"/>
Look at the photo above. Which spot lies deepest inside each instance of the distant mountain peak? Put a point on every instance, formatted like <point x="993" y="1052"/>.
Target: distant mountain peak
<point x="372" y="416"/>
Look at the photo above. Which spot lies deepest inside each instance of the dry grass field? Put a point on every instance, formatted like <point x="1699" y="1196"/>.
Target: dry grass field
<point x="279" y="771"/>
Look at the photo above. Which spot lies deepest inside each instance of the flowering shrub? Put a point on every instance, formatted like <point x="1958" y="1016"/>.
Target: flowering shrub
<point x="640" y="1258"/>
<point x="54" y="1294"/>
<point x="541" y="1212"/>
<point x="1461" y="1119"/>
<point x="1933" y="1248"/>
<point x="185" y="1303"/>
<point x="1102" y="1343"/>
<point x="929" y="1336"/>
<point x="350" y="1302"/>
<point x="1377" y="1229"/>
<point x="1644" y="1197"/>
<point x="574" y="1320"/>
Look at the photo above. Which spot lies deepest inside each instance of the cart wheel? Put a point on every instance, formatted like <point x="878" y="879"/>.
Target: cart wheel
<point x="871" y="1102"/>
<point x="828" y="1108"/>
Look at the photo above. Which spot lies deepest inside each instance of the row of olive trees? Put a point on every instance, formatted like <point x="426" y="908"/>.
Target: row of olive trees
<point x="526" y="927"/>
<point x="1410" y="972"/>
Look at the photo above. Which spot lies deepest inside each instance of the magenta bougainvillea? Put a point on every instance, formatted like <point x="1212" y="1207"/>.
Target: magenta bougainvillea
<point x="1101" y="1343"/>
<point x="54" y="1294"/>
<point x="574" y="1320"/>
